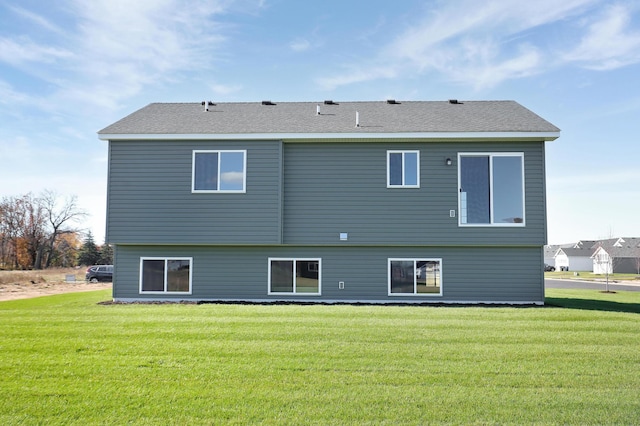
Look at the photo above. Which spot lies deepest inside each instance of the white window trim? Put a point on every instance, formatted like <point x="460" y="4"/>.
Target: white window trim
<point x="403" y="152"/>
<point x="218" y="191"/>
<point x="414" y="260"/>
<point x="190" y="259"/>
<point x="295" y="260"/>
<point x="491" y="155"/>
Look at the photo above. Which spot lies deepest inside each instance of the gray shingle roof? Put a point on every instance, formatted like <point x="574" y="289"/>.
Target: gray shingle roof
<point x="301" y="118"/>
<point x="630" y="248"/>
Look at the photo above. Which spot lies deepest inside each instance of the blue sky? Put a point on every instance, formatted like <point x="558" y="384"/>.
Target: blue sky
<point x="71" y="67"/>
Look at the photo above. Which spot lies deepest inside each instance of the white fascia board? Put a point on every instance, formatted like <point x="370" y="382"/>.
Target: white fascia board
<point x="484" y="136"/>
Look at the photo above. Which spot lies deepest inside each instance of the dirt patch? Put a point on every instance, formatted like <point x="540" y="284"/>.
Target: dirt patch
<point x="26" y="284"/>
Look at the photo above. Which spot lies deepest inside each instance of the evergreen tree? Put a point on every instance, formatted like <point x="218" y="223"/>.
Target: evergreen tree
<point x="106" y="254"/>
<point x="89" y="253"/>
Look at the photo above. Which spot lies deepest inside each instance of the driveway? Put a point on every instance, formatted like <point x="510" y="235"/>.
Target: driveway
<point x="590" y="285"/>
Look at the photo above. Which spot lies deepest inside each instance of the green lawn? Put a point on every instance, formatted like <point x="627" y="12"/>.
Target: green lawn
<point x="67" y="360"/>
<point x="590" y="276"/>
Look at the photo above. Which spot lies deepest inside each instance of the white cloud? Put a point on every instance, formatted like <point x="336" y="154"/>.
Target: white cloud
<point x="611" y="179"/>
<point x="356" y="75"/>
<point x="115" y="48"/>
<point x="225" y="89"/>
<point x="466" y="41"/>
<point x="232" y="177"/>
<point x="37" y="19"/>
<point x="20" y="50"/>
<point x="609" y="43"/>
<point x="8" y="96"/>
<point x="484" y="72"/>
<point x="300" y="45"/>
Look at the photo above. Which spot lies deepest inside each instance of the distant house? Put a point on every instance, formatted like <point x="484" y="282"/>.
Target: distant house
<point x="377" y="202"/>
<point x="550" y="254"/>
<point x="622" y="256"/>
<point x="573" y="259"/>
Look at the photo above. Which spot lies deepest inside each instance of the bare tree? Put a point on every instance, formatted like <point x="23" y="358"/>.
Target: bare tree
<point x="60" y="216"/>
<point x="22" y="228"/>
<point x="31" y="226"/>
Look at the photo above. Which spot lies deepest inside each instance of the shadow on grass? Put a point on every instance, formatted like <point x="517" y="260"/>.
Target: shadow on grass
<point x="592" y="305"/>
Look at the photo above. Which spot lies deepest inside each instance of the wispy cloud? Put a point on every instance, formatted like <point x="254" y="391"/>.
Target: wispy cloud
<point x="478" y="43"/>
<point x="117" y="47"/>
<point x="610" y="42"/>
<point x="9" y="96"/>
<point x="16" y="51"/>
<point x="37" y="19"/>
<point x="225" y="89"/>
<point x="606" y="179"/>
<point x="300" y="45"/>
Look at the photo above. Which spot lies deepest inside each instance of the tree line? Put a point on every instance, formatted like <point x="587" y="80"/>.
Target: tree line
<point x="40" y="231"/>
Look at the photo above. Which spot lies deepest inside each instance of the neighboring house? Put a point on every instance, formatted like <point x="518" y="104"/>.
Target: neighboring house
<point x="550" y="253"/>
<point x="623" y="256"/>
<point x="377" y="202"/>
<point x="573" y="259"/>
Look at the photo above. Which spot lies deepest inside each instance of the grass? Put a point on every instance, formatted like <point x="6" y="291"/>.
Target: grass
<point x="590" y="276"/>
<point x="67" y="360"/>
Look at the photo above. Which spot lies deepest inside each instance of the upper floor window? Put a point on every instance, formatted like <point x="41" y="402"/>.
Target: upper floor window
<point x="403" y="169"/>
<point x="491" y="189"/>
<point x="219" y="171"/>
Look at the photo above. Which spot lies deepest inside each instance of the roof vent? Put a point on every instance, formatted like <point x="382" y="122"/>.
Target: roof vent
<point x="392" y="102"/>
<point x="455" y="102"/>
<point x="330" y="102"/>
<point x="357" y="119"/>
<point x="207" y="105"/>
<point x="267" y="103"/>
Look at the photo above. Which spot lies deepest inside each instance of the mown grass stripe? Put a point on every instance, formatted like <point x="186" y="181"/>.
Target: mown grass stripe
<point x="67" y="360"/>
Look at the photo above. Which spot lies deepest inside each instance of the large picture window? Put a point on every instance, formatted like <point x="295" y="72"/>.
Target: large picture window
<point x="418" y="277"/>
<point x="403" y="169"/>
<point x="165" y="275"/>
<point x="491" y="189"/>
<point x="219" y="171"/>
<point x="294" y="276"/>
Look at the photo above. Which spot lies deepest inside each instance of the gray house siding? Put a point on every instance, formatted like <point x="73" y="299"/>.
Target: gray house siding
<point x="150" y="198"/>
<point x="332" y="188"/>
<point x="487" y="275"/>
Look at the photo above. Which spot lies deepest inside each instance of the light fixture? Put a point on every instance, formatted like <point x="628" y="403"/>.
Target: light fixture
<point x="448" y="161"/>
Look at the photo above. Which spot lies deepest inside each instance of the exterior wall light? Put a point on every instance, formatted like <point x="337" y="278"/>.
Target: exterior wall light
<point x="448" y="161"/>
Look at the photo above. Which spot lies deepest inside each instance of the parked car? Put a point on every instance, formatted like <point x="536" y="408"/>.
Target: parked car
<point x="549" y="268"/>
<point x="99" y="273"/>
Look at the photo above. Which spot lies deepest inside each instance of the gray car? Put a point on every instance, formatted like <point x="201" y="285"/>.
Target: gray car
<point x="98" y="273"/>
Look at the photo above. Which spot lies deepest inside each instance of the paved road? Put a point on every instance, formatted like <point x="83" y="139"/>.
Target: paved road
<point x="570" y="284"/>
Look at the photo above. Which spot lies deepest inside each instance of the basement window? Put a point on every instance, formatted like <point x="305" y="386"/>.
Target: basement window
<point x="159" y="275"/>
<point x="294" y="276"/>
<point x="415" y="277"/>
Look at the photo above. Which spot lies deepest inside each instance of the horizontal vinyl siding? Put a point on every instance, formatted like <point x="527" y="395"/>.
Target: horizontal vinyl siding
<point x="484" y="275"/>
<point x="150" y="198"/>
<point x="331" y="188"/>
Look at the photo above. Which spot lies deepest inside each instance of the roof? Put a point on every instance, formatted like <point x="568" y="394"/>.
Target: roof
<point x="576" y="252"/>
<point x="337" y="118"/>
<point x="626" y="247"/>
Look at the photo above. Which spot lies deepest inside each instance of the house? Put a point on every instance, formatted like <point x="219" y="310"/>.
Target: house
<point x="550" y="254"/>
<point x="574" y="259"/>
<point x="621" y="255"/>
<point x="376" y="202"/>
